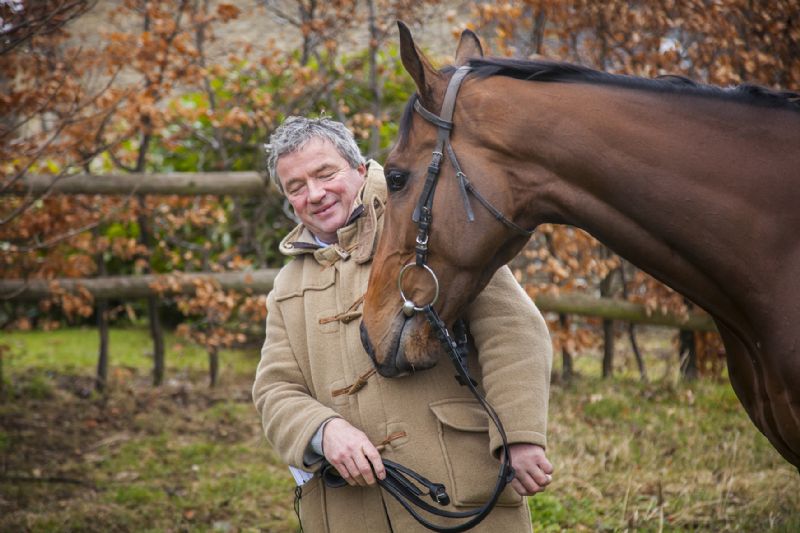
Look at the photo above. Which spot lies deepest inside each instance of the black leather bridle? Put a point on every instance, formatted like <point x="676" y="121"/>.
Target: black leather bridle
<point x="398" y="478"/>
<point x="423" y="211"/>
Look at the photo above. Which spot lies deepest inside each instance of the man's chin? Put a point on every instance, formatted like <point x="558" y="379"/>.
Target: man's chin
<point x="326" y="232"/>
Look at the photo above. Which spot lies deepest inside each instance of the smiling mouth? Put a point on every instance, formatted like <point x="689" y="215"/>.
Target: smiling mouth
<point x="324" y="210"/>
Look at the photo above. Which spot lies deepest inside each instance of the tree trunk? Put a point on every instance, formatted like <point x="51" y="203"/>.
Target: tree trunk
<point x="537" y="32"/>
<point x="153" y="316"/>
<point x="374" y="82"/>
<point x="688" y="362"/>
<point x="631" y="327"/>
<point x="101" y="308"/>
<point x="157" y="334"/>
<point x="213" y="366"/>
<point x="608" y="348"/>
<point x="608" y="329"/>
<point x="567" y="369"/>
<point x="637" y="353"/>
<point x="101" y="380"/>
<point x="688" y="355"/>
<point x="3" y="350"/>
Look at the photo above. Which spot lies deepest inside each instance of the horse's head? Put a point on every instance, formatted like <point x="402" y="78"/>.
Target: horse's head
<point x="462" y="255"/>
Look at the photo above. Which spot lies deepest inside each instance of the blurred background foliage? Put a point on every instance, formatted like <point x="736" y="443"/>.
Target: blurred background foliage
<point x="184" y="86"/>
<point x="134" y="86"/>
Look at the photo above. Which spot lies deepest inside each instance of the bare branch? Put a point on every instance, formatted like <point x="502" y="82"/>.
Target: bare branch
<point x="40" y="18"/>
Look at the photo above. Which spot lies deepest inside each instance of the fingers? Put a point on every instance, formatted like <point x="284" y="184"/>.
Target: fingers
<point x="362" y="467"/>
<point x="546" y="467"/>
<point x="373" y="455"/>
<point x="363" y="476"/>
<point x="533" y="471"/>
<point x="351" y="473"/>
<point x="528" y="484"/>
<point x="352" y="454"/>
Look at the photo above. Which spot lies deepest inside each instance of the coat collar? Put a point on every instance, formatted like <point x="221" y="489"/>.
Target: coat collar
<point x="358" y="238"/>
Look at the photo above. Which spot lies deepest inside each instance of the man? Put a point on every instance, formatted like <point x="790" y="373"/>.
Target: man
<point x="315" y="387"/>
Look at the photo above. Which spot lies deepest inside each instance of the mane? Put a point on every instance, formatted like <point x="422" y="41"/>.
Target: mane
<point x="565" y="72"/>
<point x="554" y="71"/>
<point x="405" y="121"/>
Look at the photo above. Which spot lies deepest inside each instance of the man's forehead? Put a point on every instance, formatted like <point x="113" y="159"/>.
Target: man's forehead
<point x="321" y="154"/>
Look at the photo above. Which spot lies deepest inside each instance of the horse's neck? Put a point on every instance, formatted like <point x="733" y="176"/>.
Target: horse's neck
<point x="673" y="190"/>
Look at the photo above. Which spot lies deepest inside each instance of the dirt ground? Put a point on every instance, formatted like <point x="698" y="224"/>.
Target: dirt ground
<point x="63" y="446"/>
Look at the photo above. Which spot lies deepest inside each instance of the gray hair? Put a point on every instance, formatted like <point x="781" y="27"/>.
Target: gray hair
<point x="295" y="132"/>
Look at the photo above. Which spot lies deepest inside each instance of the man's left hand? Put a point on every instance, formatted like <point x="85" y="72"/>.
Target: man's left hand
<point x="533" y="472"/>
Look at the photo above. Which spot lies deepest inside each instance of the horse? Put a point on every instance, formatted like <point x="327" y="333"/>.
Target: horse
<point x="697" y="185"/>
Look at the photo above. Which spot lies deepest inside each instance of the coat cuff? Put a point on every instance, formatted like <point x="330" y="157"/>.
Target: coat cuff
<point x="314" y="452"/>
<point x="299" y="451"/>
<point x="516" y="437"/>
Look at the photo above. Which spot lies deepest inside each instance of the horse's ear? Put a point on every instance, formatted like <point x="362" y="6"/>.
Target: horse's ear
<point x="469" y="46"/>
<point x="429" y="81"/>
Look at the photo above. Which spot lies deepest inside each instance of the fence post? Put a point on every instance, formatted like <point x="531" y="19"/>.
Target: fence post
<point x="156" y="331"/>
<point x="101" y="308"/>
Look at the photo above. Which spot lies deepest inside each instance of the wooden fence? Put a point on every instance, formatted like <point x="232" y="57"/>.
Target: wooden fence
<point x="258" y="281"/>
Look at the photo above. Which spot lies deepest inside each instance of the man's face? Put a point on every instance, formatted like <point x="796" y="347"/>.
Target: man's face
<point x="321" y="186"/>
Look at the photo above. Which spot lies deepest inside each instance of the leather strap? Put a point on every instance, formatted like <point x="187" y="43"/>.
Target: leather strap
<point x="444" y="123"/>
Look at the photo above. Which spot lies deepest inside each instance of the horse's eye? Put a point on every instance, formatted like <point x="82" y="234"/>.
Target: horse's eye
<point x="396" y="180"/>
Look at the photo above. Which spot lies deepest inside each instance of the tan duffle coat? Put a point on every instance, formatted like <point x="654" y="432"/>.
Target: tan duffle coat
<point x="313" y="367"/>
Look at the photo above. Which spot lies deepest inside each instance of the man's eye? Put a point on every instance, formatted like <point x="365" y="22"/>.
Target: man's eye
<point x="328" y="175"/>
<point x="396" y="180"/>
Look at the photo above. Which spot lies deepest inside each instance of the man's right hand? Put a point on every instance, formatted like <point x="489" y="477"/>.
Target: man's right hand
<point x="352" y="454"/>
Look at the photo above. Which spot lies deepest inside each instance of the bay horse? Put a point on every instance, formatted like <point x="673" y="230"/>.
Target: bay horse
<point x="697" y="185"/>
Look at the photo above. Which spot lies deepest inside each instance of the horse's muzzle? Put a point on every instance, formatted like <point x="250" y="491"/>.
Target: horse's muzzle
<point x="394" y="364"/>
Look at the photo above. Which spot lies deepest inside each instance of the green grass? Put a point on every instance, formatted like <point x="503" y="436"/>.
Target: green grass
<point x="76" y="350"/>
<point x="629" y="456"/>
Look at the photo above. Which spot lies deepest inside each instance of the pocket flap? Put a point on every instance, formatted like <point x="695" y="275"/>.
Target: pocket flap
<point x="313" y="278"/>
<point x="462" y="414"/>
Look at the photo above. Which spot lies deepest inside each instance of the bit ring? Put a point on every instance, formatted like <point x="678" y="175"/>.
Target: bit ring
<point x="409" y="307"/>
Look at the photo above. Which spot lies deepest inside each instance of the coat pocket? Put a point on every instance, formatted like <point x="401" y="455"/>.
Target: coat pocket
<point x="312" y="506"/>
<point x="464" y="438"/>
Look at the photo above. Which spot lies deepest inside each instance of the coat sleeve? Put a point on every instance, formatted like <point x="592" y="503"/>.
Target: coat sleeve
<point x="290" y="415"/>
<point x="515" y="355"/>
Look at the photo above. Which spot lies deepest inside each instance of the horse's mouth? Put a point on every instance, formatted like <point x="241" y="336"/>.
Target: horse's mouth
<point x="395" y="363"/>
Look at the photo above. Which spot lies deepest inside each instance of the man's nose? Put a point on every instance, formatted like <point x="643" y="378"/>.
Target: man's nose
<point x="316" y="191"/>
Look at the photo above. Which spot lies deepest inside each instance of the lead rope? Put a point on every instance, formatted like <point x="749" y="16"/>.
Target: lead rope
<point x="457" y="353"/>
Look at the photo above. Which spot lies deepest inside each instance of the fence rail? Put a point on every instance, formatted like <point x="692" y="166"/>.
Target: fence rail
<point x="182" y="183"/>
<point x="154" y="286"/>
<point x="261" y="281"/>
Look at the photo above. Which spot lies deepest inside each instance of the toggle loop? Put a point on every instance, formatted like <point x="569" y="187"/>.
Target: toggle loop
<point x="409" y="307"/>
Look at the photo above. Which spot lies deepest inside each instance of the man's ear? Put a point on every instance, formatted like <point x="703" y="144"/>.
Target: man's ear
<point x="429" y="82"/>
<point x="468" y="46"/>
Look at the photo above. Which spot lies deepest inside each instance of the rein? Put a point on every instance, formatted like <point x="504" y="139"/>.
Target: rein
<point x="398" y="477"/>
